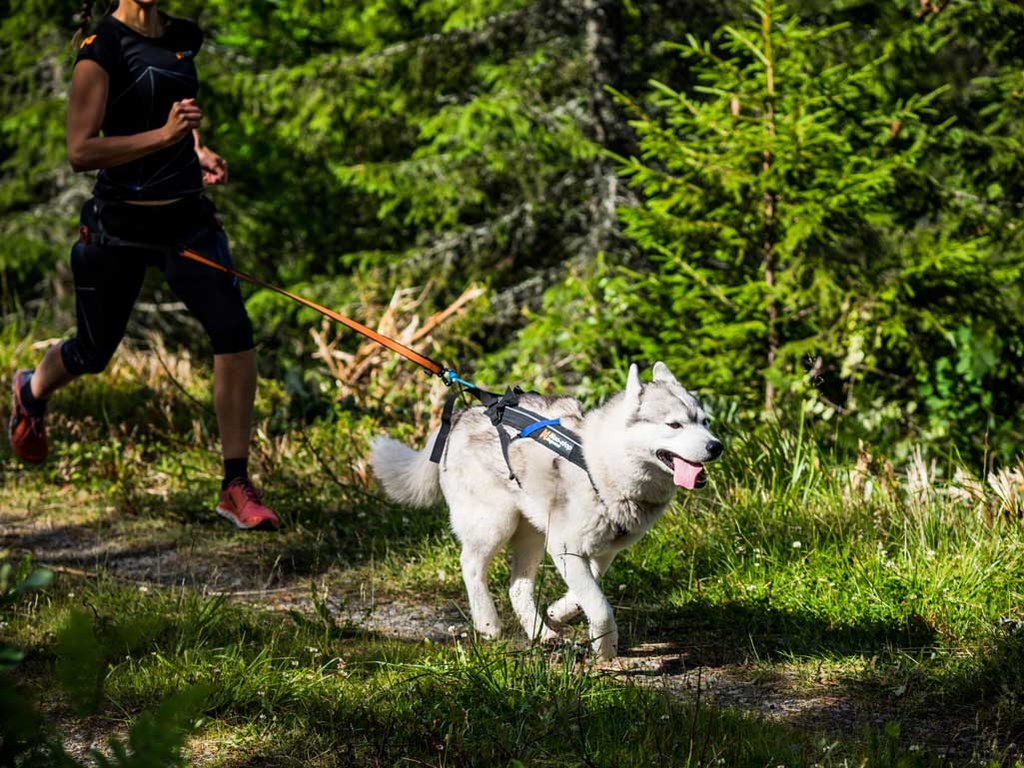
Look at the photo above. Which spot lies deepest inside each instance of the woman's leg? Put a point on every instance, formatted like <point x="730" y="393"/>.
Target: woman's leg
<point x="107" y="282"/>
<point x="108" y="279"/>
<point x="50" y="375"/>
<point x="234" y="392"/>
<point x="216" y="301"/>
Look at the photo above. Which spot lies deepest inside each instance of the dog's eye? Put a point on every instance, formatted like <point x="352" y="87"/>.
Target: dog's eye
<point x="676" y="425"/>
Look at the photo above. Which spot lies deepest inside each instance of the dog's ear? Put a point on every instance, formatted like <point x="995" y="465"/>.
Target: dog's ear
<point x="662" y="373"/>
<point x="633" y="389"/>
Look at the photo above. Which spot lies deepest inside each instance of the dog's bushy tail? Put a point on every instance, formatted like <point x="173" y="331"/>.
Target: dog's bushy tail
<point x="409" y="477"/>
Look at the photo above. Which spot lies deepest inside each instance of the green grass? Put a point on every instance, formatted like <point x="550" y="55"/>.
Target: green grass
<point x="301" y="692"/>
<point x="790" y="571"/>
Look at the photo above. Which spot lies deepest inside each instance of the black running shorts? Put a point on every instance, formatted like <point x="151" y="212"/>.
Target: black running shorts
<point x="108" y="276"/>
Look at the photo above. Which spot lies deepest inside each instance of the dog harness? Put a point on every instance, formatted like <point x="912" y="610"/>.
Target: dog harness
<point x="505" y="411"/>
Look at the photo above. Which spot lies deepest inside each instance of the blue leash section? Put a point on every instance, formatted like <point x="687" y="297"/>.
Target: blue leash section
<point x="449" y="377"/>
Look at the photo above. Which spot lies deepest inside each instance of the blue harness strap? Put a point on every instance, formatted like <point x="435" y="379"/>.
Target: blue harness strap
<point x="531" y="428"/>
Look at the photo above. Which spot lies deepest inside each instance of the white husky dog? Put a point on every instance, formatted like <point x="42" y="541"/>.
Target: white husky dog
<point x="639" y="447"/>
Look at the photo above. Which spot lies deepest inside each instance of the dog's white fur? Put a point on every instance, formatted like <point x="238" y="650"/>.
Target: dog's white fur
<point x="582" y="525"/>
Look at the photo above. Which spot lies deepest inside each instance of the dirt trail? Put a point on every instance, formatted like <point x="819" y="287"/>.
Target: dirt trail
<point x="173" y="555"/>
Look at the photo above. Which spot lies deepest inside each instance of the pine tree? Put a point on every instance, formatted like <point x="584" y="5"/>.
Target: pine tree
<point x="435" y="143"/>
<point x="778" y="215"/>
<point x="39" y="195"/>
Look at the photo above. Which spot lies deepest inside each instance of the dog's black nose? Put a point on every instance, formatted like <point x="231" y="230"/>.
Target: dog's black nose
<point x="714" y="448"/>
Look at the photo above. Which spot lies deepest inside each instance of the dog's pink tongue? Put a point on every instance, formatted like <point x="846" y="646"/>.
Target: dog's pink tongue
<point x="685" y="474"/>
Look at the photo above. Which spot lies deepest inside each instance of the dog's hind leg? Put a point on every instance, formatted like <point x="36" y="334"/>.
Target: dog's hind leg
<point x="474" y="574"/>
<point x="527" y="553"/>
<point x="482" y="537"/>
<point x="579" y="574"/>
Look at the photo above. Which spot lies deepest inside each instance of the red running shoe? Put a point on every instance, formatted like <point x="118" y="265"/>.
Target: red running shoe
<point x="240" y="503"/>
<point x="27" y="433"/>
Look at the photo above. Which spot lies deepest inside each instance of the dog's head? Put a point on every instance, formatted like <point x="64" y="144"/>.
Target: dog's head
<point x="668" y="424"/>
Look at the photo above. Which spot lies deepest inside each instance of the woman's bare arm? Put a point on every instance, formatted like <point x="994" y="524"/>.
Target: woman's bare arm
<point x="87" y="150"/>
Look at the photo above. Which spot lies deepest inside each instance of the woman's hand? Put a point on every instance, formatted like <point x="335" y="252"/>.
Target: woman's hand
<point x="215" y="167"/>
<point x="184" y="118"/>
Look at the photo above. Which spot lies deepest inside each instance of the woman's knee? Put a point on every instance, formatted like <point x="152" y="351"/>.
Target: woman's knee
<point x="80" y="358"/>
<point x="231" y="335"/>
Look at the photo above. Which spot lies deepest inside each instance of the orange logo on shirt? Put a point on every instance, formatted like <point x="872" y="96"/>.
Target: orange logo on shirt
<point x="87" y="40"/>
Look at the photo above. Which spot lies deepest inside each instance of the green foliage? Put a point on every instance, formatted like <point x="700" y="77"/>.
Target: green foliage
<point x="859" y="268"/>
<point x="15" y="581"/>
<point x="790" y="248"/>
<point x="35" y="57"/>
<point x="425" y="137"/>
<point x="762" y="200"/>
<point x="80" y="664"/>
<point x="18" y="579"/>
<point x="154" y="740"/>
<point x="24" y="734"/>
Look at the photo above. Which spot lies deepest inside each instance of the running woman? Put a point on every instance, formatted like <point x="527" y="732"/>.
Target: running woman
<point x="133" y="116"/>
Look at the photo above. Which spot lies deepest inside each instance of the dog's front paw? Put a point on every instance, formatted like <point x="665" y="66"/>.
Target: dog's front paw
<point x="606" y="646"/>
<point x="563" y="610"/>
<point x="548" y="636"/>
<point x="615" y="666"/>
<point x="605" y="651"/>
<point x="488" y="631"/>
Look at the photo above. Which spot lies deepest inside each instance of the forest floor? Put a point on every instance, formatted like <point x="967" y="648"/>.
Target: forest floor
<point x="71" y="535"/>
<point x="803" y="609"/>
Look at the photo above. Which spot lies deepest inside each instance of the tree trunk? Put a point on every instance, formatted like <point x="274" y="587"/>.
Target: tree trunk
<point x="769" y="202"/>
<point x="603" y="52"/>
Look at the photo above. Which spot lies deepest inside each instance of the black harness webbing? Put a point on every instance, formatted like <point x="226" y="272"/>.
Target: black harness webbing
<point x="504" y="410"/>
<point x="92" y="237"/>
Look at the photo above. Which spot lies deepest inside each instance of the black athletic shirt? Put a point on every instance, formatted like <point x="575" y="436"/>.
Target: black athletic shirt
<point x="147" y="75"/>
